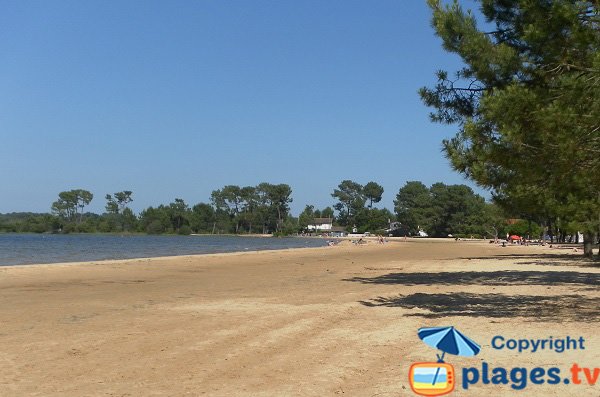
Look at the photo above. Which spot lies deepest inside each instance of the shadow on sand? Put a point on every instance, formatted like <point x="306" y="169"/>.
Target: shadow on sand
<point x="554" y="259"/>
<point x="555" y="308"/>
<point x="537" y="308"/>
<point x="507" y="277"/>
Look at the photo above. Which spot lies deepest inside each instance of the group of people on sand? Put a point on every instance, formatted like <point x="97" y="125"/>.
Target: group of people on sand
<point x="527" y="242"/>
<point x="360" y="241"/>
<point x="514" y="242"/>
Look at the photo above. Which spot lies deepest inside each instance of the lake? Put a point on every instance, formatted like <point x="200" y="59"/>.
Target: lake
<point x="21" y="249"/>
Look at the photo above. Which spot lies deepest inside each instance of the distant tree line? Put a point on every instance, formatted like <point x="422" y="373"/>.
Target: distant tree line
<point x="353" y="212"/>
<point x="232" y="209"/>
<point x="440" y="210"/>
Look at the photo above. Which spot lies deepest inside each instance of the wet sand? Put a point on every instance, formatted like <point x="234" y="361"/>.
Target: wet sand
<point x="326" y="321"/>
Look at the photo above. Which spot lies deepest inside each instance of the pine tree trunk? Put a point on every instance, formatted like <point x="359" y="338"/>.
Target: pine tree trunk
<point x="588" y="244"/>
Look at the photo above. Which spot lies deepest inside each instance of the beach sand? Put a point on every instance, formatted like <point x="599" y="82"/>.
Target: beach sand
<point x="329" y="321"/>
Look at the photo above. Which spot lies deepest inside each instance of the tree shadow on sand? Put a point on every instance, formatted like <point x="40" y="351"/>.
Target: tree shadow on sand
<point x="556" y="308"/>
<point x="555" y="259"/>
<point x="536" y="308"/>
<point x="496" y="278"/>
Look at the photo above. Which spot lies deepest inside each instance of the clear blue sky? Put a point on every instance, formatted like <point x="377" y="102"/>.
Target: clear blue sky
<point x="176" y="99"/>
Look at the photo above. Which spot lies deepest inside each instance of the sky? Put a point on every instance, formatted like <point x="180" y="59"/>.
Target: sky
<point x="176" y="99"/>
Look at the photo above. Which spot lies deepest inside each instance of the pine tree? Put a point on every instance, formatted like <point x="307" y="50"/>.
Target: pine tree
<point x="526" y="104"/>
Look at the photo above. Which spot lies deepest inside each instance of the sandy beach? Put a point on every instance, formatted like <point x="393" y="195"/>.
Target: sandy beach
<point x="329" y="321"/>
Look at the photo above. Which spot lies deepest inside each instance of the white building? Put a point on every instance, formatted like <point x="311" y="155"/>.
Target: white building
<point x="321" y="225"/>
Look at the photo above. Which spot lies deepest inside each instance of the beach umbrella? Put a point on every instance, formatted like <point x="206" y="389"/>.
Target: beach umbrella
<point x="450" y="341"/>
<point x="515" y="237"/>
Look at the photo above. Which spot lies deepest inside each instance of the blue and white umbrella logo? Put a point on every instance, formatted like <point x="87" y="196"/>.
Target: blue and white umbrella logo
<point x="450" y="341"/>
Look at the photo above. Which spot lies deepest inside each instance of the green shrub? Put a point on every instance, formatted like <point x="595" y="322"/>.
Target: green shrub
<point x="155" y="227"/>
<point x="184" y="230"/>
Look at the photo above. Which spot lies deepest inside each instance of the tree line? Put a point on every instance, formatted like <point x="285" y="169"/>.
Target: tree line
<point x="232" y="209"/>
<point x="439" y="210"/>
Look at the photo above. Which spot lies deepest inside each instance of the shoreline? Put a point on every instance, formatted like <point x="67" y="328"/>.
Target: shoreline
<point x="101" y="262"/>
<point x="371" y="240"/>
<point x="35" y="249"/>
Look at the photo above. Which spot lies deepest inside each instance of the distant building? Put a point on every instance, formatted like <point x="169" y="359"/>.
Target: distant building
<point x="393" y="226"/>
<point x="321" y="225"/>
<point x="397" y="229"/>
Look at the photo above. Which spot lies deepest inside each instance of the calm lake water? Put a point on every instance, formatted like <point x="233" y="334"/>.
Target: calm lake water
<point x="21" y="249"/>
